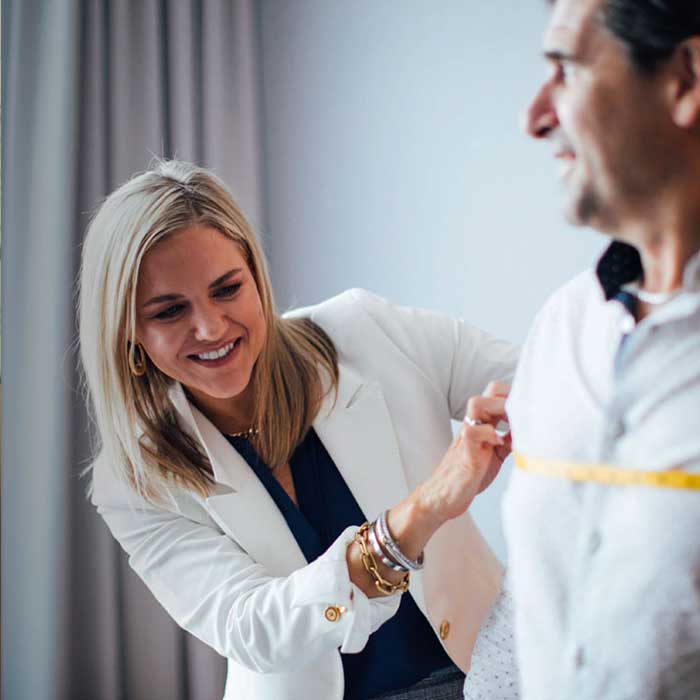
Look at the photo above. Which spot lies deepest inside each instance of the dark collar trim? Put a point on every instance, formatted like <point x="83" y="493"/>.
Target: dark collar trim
<point x="620" y="264"/>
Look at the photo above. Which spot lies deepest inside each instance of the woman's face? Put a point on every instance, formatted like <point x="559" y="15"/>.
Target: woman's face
<point x="199" y="314"/>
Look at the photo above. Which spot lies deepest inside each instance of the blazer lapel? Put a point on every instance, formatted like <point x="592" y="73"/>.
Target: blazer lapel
<point x="359" y="435"/>
<point x="240" y="504"/>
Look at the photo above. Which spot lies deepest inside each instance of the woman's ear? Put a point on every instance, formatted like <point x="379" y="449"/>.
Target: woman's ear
<point x="685" y="84"/>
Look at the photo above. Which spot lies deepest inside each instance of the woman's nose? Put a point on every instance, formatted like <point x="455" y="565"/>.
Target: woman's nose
<point x="209" y="323"/>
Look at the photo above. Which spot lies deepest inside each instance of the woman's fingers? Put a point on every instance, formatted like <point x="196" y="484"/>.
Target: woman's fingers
<point x="486" y="409"/>
<point x="474" y="457"/>
<point x="497" y="389"/>
<point x="482" y="434"/>
<point x="487" y="446"/>
<point x="500" y="390"/>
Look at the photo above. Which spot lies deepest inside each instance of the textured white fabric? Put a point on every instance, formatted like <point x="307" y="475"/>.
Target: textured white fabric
<point x="606" y="579"/>
<point x="228" y="569"/>
<point x="494" y="674"/>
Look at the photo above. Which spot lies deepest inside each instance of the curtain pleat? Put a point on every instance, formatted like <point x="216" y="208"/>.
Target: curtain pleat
<point x="40" y="88"/>
<point x="92" y="91"/>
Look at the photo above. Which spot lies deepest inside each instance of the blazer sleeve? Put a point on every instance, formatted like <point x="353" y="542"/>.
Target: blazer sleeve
<point x="214" y="590"/>
<point x="460" y="359"/>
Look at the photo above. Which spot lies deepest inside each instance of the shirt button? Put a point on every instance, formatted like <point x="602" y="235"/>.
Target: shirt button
<point x="616" y="429"/>
<point x="627" y="324"/>
<point x="594" y="542"/>
<point x="579" y="657"/>
<point x="333" y="612"/>
<point x="444" y="630"/>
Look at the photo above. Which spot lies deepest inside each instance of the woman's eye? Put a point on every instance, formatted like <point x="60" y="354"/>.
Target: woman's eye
<point x="170" y="312"/>
<point x="227" y="291"/>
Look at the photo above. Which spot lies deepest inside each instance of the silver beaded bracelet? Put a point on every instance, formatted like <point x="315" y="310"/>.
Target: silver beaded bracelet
<point x="391" y="546"/>
<point x="380" y="553"/>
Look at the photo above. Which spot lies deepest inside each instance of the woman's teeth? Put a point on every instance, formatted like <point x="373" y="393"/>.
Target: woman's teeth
<point x="217" y="354"/>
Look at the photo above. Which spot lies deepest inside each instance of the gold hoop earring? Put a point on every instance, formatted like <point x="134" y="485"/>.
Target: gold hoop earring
<point x="137" y="365"/>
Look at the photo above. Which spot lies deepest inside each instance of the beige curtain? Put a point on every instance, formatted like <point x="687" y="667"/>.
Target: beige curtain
<point x="91" y="91"/>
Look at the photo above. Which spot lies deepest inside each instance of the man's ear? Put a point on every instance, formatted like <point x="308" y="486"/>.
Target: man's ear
<point x="685" y="84"/>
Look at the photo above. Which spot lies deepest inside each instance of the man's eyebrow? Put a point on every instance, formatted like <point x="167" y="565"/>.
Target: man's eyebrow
<point x="174" y="297"/>
<point x="558" y="55"/>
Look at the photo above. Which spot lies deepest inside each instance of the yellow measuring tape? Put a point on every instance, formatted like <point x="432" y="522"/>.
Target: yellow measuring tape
<point x="607" y="474"/>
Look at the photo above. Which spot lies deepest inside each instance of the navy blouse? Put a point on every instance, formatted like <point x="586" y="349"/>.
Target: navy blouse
<point x="404" y="649"/>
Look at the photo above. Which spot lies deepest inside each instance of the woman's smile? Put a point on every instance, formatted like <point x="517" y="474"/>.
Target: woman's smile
<point x="220" y="356"/>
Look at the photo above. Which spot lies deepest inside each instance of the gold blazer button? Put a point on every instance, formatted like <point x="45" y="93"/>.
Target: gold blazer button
<point x="444" y="629"/>
<point x="333" y="612"/>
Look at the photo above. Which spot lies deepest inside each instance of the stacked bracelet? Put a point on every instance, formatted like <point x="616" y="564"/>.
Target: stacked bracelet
<point x="391" y="546"/>
<point x="370" y="563"/>
<point x="380" y="553"/>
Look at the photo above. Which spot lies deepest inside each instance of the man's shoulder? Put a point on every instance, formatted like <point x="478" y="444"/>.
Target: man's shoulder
<point x="561" y="318"/>
<point x="547" y="356"/>
<point x="572" y="298"/>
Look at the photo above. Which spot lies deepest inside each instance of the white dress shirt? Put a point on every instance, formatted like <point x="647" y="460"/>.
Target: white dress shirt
<point x="606" y="578"/>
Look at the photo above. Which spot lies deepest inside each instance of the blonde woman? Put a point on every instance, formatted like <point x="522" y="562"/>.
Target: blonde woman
<point x="241" y="451"/>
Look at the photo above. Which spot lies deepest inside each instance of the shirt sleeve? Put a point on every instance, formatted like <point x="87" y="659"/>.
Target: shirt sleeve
<point x="212" y="588"/>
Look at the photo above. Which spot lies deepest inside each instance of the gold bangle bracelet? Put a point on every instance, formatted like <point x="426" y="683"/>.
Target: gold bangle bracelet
<point x="370" y="563"/>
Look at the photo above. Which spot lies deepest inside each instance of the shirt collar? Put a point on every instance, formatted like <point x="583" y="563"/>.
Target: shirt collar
<point x="691" y="274"/>
<point x="621" y="264"/>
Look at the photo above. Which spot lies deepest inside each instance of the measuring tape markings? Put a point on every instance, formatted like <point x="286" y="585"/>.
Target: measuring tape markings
<point x="608" y="474"/>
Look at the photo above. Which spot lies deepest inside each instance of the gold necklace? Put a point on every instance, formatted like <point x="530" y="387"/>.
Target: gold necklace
<point x="251" y="432"/>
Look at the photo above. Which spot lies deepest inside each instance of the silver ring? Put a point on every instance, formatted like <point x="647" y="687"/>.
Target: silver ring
<point x="472" y="421"/>
<point x="503" y="428"/>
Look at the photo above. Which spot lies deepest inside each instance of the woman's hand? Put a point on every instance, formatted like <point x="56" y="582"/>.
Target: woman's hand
<point x="470" y="464"/>
<point x="496" y="395"/>
<point x="474" y="458"/>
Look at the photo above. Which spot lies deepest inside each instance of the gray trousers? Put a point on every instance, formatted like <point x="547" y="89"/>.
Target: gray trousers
<point x="445" y="684"/>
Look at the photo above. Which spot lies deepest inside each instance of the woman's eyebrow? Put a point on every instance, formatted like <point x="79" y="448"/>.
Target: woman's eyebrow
<point x="174" y="297"/>
<point x="161" y="298"/>
<point x="224" y="277"/>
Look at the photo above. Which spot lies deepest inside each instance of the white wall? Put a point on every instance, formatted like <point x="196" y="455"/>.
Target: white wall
<point x="395" y="161"/>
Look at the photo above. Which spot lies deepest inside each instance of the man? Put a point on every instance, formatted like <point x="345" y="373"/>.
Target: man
<point x="602" y="516"/>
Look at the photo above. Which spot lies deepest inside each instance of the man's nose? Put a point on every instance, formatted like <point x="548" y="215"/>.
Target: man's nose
<point x="541" y="116"/>
<point x="209" y="323"/>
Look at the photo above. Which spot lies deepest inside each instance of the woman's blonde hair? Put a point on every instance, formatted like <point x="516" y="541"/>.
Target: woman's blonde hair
<point x="136" y="421"/>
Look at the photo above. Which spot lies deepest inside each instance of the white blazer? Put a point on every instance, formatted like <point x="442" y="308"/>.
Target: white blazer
<point x="228" y="569"/>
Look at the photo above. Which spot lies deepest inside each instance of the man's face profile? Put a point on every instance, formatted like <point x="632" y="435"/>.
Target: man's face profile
<point x="601" y="116"/>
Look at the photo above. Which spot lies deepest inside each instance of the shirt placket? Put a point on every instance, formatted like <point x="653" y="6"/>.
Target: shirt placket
<point x="586" y="656"/>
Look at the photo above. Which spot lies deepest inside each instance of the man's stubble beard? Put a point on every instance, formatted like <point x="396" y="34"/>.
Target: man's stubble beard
<point x="587" y="208"/>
